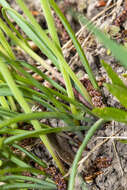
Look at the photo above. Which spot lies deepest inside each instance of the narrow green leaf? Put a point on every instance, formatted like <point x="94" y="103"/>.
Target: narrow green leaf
<point x="5" y="91"/>
<point x="38" y="115"/>
<point x="30" y="94"/>
<point x="38" y="97"/>
<point x="33" y="34"/>
<point x="44" y="76"/>
<point x="50" y="22"/>
<point x="28" y="134"/>
<point x="25" y="185"/>
<point x="26" y="178"/>
<point x="10" y="131"/>
<point x="14" y="159"/>
<point x="87" y="137"/>
<point x="112" y="74"/>
<point x="46" y="130"/>
<point x="109" y="114"/>
<point x="40" y="86"/>
<point x="122" y="141"/>
<point x="118" y="51"/>
<point x="61" y="96"/>
<point x="1" y="141"/>
<point x="6" y="112"/>
<point x="119" y="92"/>
<point x="75" y="41"/>
<point x="29" y="154"/>
<point x="6" y="45"/>
<point x="12" y="26"/>
<point x="21" y="169"/>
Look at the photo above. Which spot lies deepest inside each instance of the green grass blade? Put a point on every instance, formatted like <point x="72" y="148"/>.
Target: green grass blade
<point x="29" y="134"/>
<point x="6" y="45"/>
<point x="6" y="112"/>
<point x="40" y="32"/>
<point x="30" y="155"/>
<point x="74" y="167"/>
<point x="11" y="25"/>
<point x="7" y="130"/>
<point x="30" y="179"/>
<point x="21" y="44"/>
<point x="20" y="169"/>
<point x="40" y="86"/>
<point x="44" y="43"/>
<point x="38" y="115"/>
<point x="75" y="41"/>
<point x="44" y="103"/>
<point x="48" y="130"/>
<point x="5" y="91"/>
<point x="112" y="74"/>
<point x="26" y="185"/>
<point x="27" y="92"/>
<point x="52" y="30"/>
<point x="14" y="159"/>
<point x="50" y="22"/>
<point x="118" y="51"/>
<point x="61" y="96"/>
<point x="45" y="77"/>
<point x="30" y="94"/>
<point x="109" y="114"/>
<point x="119" y="92"/>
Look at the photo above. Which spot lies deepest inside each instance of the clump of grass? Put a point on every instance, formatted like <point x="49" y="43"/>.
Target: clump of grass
<point x="18" y="94"/>
<point x="17" y="97"/>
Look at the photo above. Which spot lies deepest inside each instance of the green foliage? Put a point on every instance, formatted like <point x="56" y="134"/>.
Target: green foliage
<point x="112" y="75"/>
<point x="119" y="52"/>
<point x="19" y="91"/>
<point x="42" y="185"/>
<point x="119" y="90"/>
<point x="110" y="114"/>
